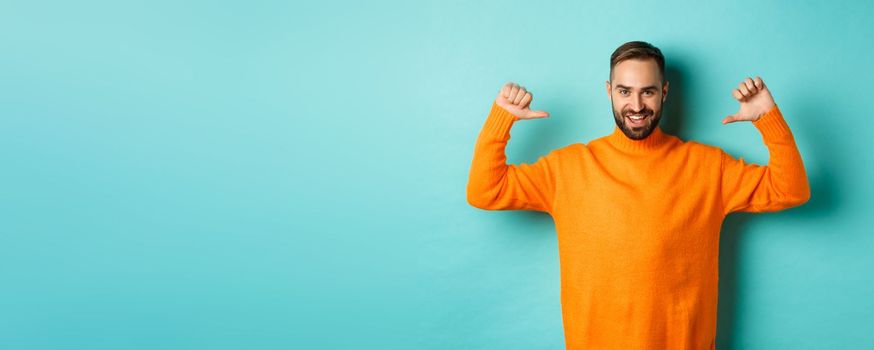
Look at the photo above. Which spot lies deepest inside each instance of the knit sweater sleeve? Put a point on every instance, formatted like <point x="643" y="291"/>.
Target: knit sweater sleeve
<point x="779" y="185"/>
<point x="495" y="185"/>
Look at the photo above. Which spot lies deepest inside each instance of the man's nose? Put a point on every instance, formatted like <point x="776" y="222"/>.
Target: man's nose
<point x="637" y="103"/>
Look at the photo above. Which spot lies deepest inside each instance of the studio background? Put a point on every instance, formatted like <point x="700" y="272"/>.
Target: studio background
<point x="291" y="175"/>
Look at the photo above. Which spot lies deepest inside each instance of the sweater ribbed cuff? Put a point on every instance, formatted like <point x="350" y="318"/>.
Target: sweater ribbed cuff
<point x="772" y="125"/>
<point x="499" y="122"/>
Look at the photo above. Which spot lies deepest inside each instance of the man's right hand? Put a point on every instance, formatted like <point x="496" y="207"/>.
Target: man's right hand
<point x="515" y="99"/>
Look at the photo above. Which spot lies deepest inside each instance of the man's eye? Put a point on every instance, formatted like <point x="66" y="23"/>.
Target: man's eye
<point x="648" y="93"/>
<point x="623" y="92"/>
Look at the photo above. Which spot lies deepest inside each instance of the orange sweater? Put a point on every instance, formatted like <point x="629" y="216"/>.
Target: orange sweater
<point x="638" y="224"/>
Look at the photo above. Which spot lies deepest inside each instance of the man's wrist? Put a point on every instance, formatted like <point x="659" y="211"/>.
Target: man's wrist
<point x="770" y="111"/>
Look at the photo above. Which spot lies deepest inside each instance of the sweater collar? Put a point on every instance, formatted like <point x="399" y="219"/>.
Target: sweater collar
<point x="654" y="141"/>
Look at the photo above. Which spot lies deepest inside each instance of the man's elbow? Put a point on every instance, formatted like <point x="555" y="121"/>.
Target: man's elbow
<point x="474" y="203"/>
<point x="797" y="198"/>
<point x="479" y="199"/>
<point x="805" y="195"/>
<point x="476" y="200"/>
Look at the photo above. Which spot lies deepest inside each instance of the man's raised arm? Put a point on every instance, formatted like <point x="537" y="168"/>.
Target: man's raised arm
<point x="495" y="185"/>
<point x="783" y="182"/>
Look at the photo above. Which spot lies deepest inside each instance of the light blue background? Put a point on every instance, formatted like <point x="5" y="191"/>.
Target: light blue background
<point x="278" y="175"/>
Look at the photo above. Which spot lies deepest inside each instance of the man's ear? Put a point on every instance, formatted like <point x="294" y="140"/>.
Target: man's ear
<point x="665" y="91"/>
<point x="607" y="85"/>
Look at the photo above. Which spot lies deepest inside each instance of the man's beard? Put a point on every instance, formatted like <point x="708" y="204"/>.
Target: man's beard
<point x="637" y="132"/>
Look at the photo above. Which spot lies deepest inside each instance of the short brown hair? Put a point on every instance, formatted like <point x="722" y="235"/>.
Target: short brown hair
<point x="637" y="50"/>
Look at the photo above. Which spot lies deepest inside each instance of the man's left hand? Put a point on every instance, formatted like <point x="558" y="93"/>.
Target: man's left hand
<point x="755" y="100"/>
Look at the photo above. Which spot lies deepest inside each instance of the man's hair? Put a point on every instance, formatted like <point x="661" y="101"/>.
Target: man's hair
<point x="637" y="50"/>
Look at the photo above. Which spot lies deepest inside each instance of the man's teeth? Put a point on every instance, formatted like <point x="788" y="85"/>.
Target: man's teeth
<point x="636" y="117"/>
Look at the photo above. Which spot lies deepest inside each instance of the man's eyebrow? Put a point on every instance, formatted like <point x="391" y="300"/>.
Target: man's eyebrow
<point x="651" y="87"/>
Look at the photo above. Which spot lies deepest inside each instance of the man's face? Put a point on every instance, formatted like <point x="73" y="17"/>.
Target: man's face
<point x="637" y="93"/>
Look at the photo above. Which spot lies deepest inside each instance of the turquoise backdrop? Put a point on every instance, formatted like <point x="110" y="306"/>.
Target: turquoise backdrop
<point x="291" y="175"/>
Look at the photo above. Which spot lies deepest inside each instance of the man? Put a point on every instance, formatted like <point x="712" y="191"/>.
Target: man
<point x="638" y="212"/>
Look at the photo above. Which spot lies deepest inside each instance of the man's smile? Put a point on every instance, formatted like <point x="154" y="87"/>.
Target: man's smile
<point x="636" y="119"/>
